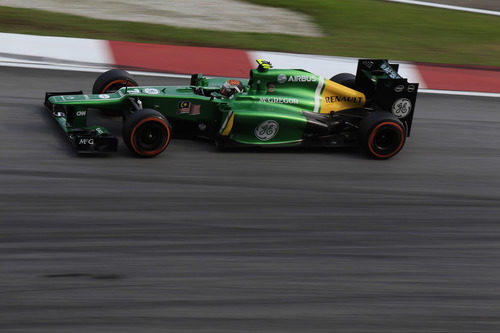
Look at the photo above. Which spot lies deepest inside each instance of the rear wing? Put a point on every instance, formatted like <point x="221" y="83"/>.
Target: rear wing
<point x="384" y="87"/>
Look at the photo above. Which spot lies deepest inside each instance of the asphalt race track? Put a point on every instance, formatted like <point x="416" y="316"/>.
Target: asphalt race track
<point x="248" y="240"/>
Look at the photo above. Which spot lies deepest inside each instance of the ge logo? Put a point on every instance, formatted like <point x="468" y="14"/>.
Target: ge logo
<point x="281" y="78"/>
<point x="401" y="107"/>
<point x="266" y="130"/>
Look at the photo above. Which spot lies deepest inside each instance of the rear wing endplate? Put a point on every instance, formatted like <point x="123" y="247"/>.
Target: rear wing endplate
<point x="383" y="86"/>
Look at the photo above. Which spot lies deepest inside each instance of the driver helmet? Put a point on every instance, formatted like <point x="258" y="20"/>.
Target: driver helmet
<point x="230" y="87"/>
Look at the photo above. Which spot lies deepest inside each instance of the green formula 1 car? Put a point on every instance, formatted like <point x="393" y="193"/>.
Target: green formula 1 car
<point x="274" y="107"/>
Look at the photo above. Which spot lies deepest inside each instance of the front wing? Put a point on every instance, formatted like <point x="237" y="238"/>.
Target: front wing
<point x="83" y="138"/>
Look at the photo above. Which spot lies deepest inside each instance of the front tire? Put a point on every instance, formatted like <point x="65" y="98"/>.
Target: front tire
<point x="382" y="135"/>
<point x="111" y="81"/>
<point x="147" y="133"/>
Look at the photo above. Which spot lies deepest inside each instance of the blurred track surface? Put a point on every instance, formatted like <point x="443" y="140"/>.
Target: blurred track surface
<point x="248" y="240"/>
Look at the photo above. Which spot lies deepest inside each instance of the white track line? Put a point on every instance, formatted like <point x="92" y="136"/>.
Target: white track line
<point x="184" y="76"/>
<point x="438" y="5"/>
<point x="458" y="93"/>
<point x="89" y="69"/>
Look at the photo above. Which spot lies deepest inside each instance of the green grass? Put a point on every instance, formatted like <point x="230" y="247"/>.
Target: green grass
<point x="355" y="28"/>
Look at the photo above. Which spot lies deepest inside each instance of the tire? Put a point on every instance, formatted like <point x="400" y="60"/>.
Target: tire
<point x="382" y="135"/>
<point x="345" y="79"/>
<point x="111" y="81"/>
<point x="146" y="133"/>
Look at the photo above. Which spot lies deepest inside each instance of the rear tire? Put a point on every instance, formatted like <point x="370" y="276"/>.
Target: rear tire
<point x="111" y="81"/>
<point x="345" y="79"/>
<point x="146" y="133"/>
<point x="382" y="135"/>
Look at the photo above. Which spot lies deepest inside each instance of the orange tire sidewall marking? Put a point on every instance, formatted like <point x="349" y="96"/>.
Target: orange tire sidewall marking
<point x="126" y="82"/>
<point x="372" y="137"/>
<point x="153" y="152"/>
